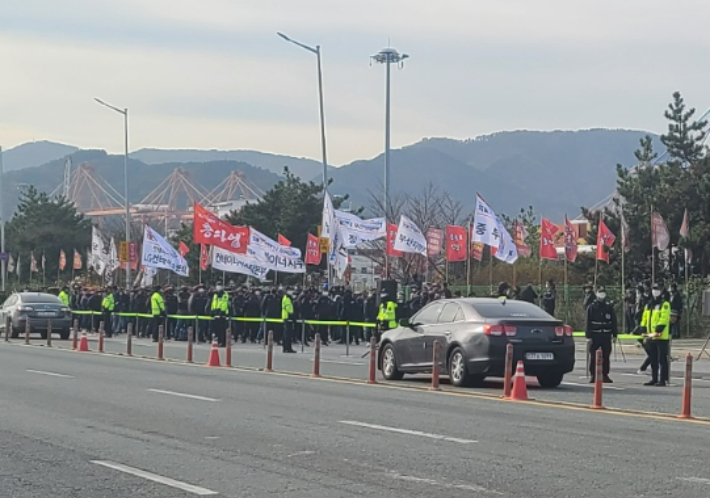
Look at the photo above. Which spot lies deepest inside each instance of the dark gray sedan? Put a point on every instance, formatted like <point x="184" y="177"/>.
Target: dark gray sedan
<point x="39" y="309"/>
<point x="473" y="334"/>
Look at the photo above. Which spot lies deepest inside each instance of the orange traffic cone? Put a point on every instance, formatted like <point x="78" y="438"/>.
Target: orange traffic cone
<point x="214" y="356"/>
<point x="84" y="343"/>
<point x="520" y="389"/>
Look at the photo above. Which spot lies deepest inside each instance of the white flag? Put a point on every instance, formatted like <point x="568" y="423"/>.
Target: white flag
<point x="158" y="253"/>
<point x="328" y="221"/>
<point x="409" y="238"/>
<point x="339" y="256"/>
<point x="489" y="230"/>
<point x="660" y="236"/>
<point x="273" y="255"/>
<point x="148" y="274"/>
<point x="113" y="262"/>
<point x="10" y="264"/>
<point x="356" y="230"/>
<point x="245" y="264"/>
<point x="98" y="257"/>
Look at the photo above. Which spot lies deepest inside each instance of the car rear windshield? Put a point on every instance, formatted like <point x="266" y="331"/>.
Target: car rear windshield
<point x="509" y="309"/>
<point x="40" y="298"/>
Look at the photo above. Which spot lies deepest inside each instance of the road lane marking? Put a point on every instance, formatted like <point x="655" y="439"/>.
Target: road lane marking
<point x="697" y="480"/>
<point x="606" y="386"/>
<point x="351" y="363"/>
<point x="50" y="374"/>
<point x="408" y="432"/>
<point x="183" y="395"/>
<point x="433" y="482"/>
<point x="196" y="490"/>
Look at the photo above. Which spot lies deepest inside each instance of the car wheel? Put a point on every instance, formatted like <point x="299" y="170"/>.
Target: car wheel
<point x="458" y="371"/>
<point x="389" y="364"/>
<point x="550" y="379"/>
<point x="64" y="334"/>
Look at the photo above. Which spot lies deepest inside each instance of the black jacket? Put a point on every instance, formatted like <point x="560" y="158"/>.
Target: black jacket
<point x="601" y="320"/>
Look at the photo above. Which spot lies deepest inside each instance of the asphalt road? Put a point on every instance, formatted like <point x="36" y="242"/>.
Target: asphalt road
<point x="89" y="425"/>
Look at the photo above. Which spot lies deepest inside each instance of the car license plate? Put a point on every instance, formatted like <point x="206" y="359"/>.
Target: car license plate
<point x="539" y="356"/>
<point x="45" y="313"/>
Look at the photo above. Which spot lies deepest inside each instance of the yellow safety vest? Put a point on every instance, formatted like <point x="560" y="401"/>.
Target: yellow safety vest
<point x="64" y="298"/>
<point x="655" y="315"/>
<point x="286" y="308"/>
<point x="107" y="303"/>
<point x="388" y="314"/>
<point x="221" y="302"/>
<point x="157" y="304"/>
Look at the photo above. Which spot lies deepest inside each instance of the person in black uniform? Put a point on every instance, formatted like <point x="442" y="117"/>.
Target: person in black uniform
<point x="676" y="301"/>
<point x="199" y="304"/>
<point x="237" y="305"/>
<point x="549" y="298"/>
<point x="601" y="329"/>
<point x="252" y="309"/>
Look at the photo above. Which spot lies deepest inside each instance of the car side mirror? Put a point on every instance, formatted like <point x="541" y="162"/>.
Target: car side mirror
<point x="404" y="322"/>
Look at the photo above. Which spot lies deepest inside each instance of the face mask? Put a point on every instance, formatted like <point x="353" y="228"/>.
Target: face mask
<point x="219" y="288"/>
<point x="200" y="290"/>
<point x="656" y="293"/>
<point x="601" y="296"/>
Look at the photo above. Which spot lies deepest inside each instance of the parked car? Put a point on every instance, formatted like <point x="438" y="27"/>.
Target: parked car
<point x="473" y="334"/>
<point x="39" y="308"/>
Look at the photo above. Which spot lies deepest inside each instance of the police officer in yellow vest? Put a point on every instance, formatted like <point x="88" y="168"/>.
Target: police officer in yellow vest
<point x="157" y="311"/>
<point x="64" y="296"/>
<point x="656" y="325"/>
<point x="220" y="312"/>
<point x="287" y="315"/>
<point x="387" y="316"/>
<point x="107" y="306"/>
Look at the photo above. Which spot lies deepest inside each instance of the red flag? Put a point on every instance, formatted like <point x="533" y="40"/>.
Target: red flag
<point x="521" y="234"/>
<point x="685" y="226"/>
<point x="434" y="241"/>
<point x="77" y="260"/>
<point x="313" y="254"/>
<point x="605" y="239"/>
<point x="477" y="251"/>
<point x="547" y="240"/>
<point x="183" y="249"/>
<point x="456" y="242"/>
<point x="570" y="242"/>
<point x="391" y="237"/>
<point x="62" y="260"/>
<point x="209" y="229"/>
<point x="284" y="241"/>
<point x="204" y="256"/>
<point x="660" y="236"/>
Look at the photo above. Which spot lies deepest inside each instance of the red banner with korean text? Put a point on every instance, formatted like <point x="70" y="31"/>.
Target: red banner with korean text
<point x="434" y="241"/>
<point x="391" y="237"/>
<point x="456" y="241"/>
<point x="313" y="254"/>
<point x="209" y="229"/>
<point x="204" y="256"/>
<point x="547" y="240"/>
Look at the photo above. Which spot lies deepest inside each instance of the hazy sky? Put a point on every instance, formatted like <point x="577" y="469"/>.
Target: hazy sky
<point x="213" y="73"/>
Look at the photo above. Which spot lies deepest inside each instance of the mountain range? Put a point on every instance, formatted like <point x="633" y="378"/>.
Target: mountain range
<point x="556" y="172"/>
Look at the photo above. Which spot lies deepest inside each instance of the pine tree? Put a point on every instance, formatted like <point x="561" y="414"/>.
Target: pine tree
<point x="685" y="135"/>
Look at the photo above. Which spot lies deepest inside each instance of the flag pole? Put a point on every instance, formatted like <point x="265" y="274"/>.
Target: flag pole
<point x="490" y="268"/>
<point x="468" y="259"/>
<point x="596" y="256"/>
<point x="623" y="278"/>
<point x="653" y="252"/>
<point x="566" y="290"/>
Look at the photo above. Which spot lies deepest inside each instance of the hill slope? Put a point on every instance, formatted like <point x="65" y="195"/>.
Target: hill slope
<point x="34" y="154"/>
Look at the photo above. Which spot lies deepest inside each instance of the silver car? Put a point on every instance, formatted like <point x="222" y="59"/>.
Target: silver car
<point x="473" y="334"/>
<point x="39" y="309"/>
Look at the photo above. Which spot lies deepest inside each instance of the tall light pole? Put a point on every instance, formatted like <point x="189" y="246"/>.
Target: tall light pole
<point x="316" y="50"/>
<point x="2" y="225"/>
<point x="387" y="56"/>
<point x="125" y="182"/>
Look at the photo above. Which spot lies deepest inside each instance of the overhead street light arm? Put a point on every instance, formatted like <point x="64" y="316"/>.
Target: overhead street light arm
<point x="121" y="111"/>
<point x="302" y="45"/>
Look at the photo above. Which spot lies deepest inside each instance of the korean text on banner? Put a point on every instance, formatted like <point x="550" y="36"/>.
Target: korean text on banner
<point x="391" y="237"/>
<point x="338" y="257"/>
<point x="98" y="258"/>
<point x="328" y="221"/>
<point x="435" y="241"/>
<point x="244" y="264"/>
<point x="158" y="253"/>
<point x="489" y="230"/>
<point x="456" y="242"/>
<point x="570" y="242"/>
<point x="313" y="254"/>
<point x="275" y="256"/>
<point x="356" y="230"/>
<point x="409" y="237"/>
<point x="208" y="228"/>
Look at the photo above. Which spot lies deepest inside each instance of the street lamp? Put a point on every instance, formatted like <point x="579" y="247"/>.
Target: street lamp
<point x="316" y="50"/>
<point x="387" y="56"/>
<point x="3" y="264"/>
<point x="125" y="182"/>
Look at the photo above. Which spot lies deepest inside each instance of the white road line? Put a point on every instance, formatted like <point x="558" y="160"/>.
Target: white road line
<point x="697" y="480"/>
<point x="433" y="482"/>
<point x="50" y="374"/>
<point x="409" y="432"/>
<point x="353" y="363"/>
<point x="183" y="395"/>
<point x="606" y="386"/>
<point x="196" y="490"/>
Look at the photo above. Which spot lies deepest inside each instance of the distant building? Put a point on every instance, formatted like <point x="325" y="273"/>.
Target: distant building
<point x="363" y="273"/>
<point x="222" y="209"/>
